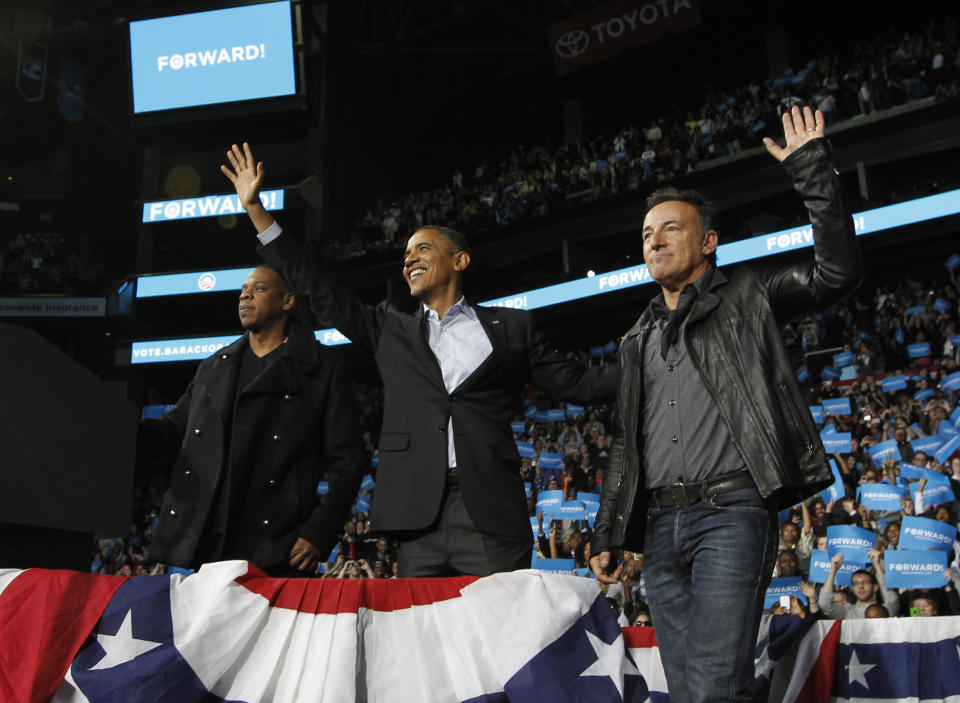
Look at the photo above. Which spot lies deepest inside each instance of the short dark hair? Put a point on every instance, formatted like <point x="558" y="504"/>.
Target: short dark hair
<point x="285" y="286"/>
<point x="457" y="239"/>
<point x="704" y="207"/>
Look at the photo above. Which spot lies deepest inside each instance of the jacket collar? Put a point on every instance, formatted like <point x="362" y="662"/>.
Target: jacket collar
<point x="705" y="302"/>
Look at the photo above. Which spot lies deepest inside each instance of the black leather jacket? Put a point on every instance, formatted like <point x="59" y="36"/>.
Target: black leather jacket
<point x="733" y="336"/>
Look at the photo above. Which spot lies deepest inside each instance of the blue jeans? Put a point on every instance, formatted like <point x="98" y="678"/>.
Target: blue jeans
<point x="707" y="568"/>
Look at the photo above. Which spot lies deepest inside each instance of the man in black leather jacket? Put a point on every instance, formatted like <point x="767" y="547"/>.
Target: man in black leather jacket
<point x="713" y="436"/>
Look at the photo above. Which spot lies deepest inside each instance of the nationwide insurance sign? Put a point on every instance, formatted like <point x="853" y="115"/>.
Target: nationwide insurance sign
<point x="865" y="223"/>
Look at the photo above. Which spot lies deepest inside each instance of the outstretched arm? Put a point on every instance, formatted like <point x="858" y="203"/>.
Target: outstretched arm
<point x="332" y="304"/>
<point x="246" y="175"/>
<point x="836" y="270"/>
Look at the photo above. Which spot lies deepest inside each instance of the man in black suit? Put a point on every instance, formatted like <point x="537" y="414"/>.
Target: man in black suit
<point x="448" y="482"/>
<point x="264" y="420"/>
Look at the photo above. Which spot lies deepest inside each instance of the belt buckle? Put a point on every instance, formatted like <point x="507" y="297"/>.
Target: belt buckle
<point x="678" y="491"/>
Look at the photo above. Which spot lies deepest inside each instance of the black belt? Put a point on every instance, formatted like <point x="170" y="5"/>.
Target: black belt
<point x="680" y="495"/>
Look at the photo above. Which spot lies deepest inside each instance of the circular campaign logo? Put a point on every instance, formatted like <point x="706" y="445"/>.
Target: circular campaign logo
<point x="207" y="281"/>
<point x="573" y="43"/>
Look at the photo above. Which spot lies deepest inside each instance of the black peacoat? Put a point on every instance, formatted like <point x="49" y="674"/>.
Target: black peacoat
<point x="293" y="426"/>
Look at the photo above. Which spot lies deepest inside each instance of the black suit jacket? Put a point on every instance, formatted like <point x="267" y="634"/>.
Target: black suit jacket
<point x="293" y="426"/>
<point x="413" y="442"/>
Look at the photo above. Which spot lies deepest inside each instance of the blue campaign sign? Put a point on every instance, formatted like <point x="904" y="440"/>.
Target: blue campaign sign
<point x="946" y="430"/>
<point x="836" y="406"/>
<point x="828" y="373"/>
<point x="203" y="58"/>
<point x="919" y="350"/>
<point x="850" y="540"/>
<point x="915" y="310"/>
<point x="836" y="442"/>
<point x="575" y="410"/>
<point x="881" y="496"/>
<point x="207" y="206"/>
<point x="817" y="412"/>
<point x="924" y="393"/>
<point x="527" y="488"/>
<point x="542" y="416"/>
<point x="783" y="586"/>
<point x="584" y="571"/>
<point x="518" y="428"/>
<point x="526" y="450"/>
<point x="893" y="383"/>
<point x="556" y="415"/>
<point x="941" y="305"/>
<point x="835" y="491"/>
<point x="554" y="566"/>
<point x="952" y="262"/>
<point x="828" y="429"/>
<point x="923" y="533"/>
<point x="551" y="460"/>
<point x="820" y="568"/>
<point x="362" y="505"/>
<point x="948" y="449"/>
<point x="803" y="374"/>
<point x="535" y="526"/>
<point x="843" y="359"/>
<point x="530" y="412"/>
<point x="955" y="340"/>
<point x="569" y="510"/>
<point x="588" y="498"/>
<point x="928" y="445"/>
<point x="912" y="471"/>
<point x="323" y="487"/>
<point x="882" y="451"/>
<point x="367" y="484"/>
<point x="375" y="459"/>
<point x="955" y="416"/>
<point x="915" y="569"/>
<point x="951" y="382"/>
<point x="936" y="493"/>
<point x="155" y="412"/>
<point x="547" y="500"/>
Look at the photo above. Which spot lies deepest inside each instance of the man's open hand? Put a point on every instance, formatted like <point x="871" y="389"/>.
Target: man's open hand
<point x="798" y="129"/>
<point x="246" y="174"/>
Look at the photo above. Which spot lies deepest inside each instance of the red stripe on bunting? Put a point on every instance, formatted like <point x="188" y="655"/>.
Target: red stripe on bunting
<point x="635" y="637"/>
<point x="46" y="616"/>
<point x="331" y="596"/>
<point x="819" y="681"/>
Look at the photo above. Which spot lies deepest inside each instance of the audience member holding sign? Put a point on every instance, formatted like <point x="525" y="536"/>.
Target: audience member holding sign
<point x="713" y="434"/>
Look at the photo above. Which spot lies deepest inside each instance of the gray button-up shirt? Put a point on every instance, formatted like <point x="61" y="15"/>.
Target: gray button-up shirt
<point x="684" y="438"/>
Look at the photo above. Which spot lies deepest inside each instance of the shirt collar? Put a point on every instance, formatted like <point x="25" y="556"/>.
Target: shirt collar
<point x="658" y="305"/>
<point x="461" y="307"/>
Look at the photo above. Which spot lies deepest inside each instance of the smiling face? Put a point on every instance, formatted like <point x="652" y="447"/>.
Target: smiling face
<point x="675" y="247"/>
<point x="264" y="301"/>
<point x="432" y="264"/>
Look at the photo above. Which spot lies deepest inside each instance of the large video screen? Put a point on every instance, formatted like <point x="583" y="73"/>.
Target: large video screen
<point x="206" y="58"/>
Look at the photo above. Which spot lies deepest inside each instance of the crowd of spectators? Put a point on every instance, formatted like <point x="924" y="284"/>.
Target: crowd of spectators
<point x="536" y="180"/>
<point x="49" y="263"/>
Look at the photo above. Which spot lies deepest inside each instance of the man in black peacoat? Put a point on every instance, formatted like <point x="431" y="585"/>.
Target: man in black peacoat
<point x="259" y="426"/>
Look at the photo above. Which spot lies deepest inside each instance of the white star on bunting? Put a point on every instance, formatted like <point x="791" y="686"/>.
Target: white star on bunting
<point x="123" y="646"/>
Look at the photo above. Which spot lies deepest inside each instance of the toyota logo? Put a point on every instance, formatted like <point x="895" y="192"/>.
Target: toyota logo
<point x="573" y="43"/>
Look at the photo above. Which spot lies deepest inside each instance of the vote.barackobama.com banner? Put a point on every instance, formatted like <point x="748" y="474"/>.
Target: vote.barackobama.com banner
<point x="204" y="58"/>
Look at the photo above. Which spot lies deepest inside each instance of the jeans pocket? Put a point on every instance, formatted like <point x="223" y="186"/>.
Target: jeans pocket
<point x="740" y="500"/>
